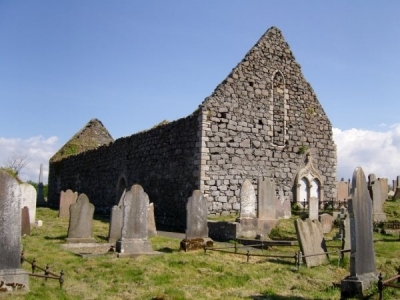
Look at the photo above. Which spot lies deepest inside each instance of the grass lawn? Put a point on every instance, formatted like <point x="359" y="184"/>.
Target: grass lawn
<point x="190" y="275"/>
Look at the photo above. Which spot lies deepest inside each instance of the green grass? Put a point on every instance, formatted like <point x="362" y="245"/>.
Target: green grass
<point x="189" y="275"/>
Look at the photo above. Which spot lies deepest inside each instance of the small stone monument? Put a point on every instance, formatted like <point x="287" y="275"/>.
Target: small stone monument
<point x="25" y="221"/>
<point x="134" y="234"/>
<point x="378" y="197"/>
<point x="40" y="200"/>
<point x="362" y="257"/>
<point x="28" y="194"/>
<point x="267" y="206"/>
<point x="196" y="223"/>
<point x="283" y="206"/>
<point x="151" y="221"/>
<point x="80" y="228"/>
<point x="247" y="217"/>
<point x="66" y="199"/>
<point x="326" y="221"/>
<point x="10" y="233"/>
<point x="313" y="209"/>
<point x="312" y="242"/>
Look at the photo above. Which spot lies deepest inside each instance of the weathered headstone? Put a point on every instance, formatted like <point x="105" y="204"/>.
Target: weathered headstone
<point x="378" y="197"/>
<point x="267" y="206"/>
<point x="151" y="221"/>
<point x="134" y="235"/>
<point x="25" y="221"/>
<point x="196" y="235"/>
<point x="313" y="208"/>
<point x="10" y="232"/>
<point x="28" y="198"/>
<point x="66" y="199"/>
<point x="342" y="190"/>
<point x="362" y="257"/>
<point x="283" y="206"/>
<point x="80" y="228"/>
<point x="247" y="217"/>
<point x="326" y="221"/>
<point x="311" y="241"/>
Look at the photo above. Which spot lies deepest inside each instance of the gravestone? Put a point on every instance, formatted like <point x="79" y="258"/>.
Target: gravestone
<point x="10" y="233"/>
<point x="80" y="228"/>
<point x="342" y="190"/>
<point x="326" y="221"/>
<point x="311" y="241"/>
<point x="346" y="232"/>
<point x="362" y="257"/>
<point x="151" y="221"/>
<point x="25" y="221"/>
<point x="267" y="206"/>
<point x="134" y="234"/>
<point x="247" y="216"/>
<point x="66" y="199"/>
<point x="378" y="197"/>
<point x="196" y="235"/>
<point x="283" y="206"/>
<point x="28" y="198"/>
<point x="313" y="209"/>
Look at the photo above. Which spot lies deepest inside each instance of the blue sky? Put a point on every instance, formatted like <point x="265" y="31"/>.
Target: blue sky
<point x="133" y="64"/>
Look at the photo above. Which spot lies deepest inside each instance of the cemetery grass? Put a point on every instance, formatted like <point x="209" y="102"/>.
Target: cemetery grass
<point x="188" y="275"/>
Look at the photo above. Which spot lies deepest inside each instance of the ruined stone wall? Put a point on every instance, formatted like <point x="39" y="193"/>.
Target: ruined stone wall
<point x="164" y="160"/>
<point x="259" y="122"/>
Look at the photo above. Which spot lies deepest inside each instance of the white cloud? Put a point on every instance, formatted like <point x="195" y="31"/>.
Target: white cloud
<point x="375" y="152"/>
<point x="38" y="150"/>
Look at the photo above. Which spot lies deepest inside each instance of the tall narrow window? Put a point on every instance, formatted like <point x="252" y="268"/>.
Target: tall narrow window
<point x="279" y="110"/>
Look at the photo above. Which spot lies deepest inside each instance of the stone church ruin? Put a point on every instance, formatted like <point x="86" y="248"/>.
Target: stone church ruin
<point x="263" y="121"/>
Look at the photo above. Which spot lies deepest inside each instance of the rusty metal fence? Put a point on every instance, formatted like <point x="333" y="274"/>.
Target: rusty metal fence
<point x="47" y="274"/>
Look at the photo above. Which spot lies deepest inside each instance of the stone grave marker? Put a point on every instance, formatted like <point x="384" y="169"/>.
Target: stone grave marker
<point x="362" y="257"/>
<point x="378" y="198"/>
<point x="326" y="221"/>
<point x="40" y="200"/>
<point x="151" y="221"/>
<point x="267" y="206"/>
<point x="342" y="190"/>
<point x="66" y="199"/>
<point x="247" y="216"/>
<point x="28" y="198"/>
<point x="134" y="234"/>
<point x="313" y="209"/>
<point x="25" y="221"/>
<point x="311" y="241"/>
<point x="10" y="232"/>
<point x="283" y="206"/>
<point x="196" y="235"/>
<point x="80" y="228"/>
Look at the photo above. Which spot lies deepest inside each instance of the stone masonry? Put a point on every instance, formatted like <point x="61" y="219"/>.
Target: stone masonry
<point x="260" y="121"/>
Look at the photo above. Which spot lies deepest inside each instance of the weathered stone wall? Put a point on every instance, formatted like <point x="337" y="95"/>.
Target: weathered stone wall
<point x="164" y="160"/>
<point x="244" y="138"/>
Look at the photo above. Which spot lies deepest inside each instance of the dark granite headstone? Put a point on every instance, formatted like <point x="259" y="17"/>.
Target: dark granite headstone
<point x="10" y="232"/>
<point x="362" y="257"/>
<point x="25" y="221"/>
<point x="66" y="199"/>
<point x="80" y="228"/>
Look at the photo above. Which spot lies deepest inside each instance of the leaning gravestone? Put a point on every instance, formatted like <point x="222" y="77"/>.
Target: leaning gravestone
<point x="28" y="194"/>
<point x="80" y="228"/>
<point x="267" y="206"/>
<point x="10" y="233"/>
<point x="247" y="216"/>
<point x="134" y="234"/>
<point x="311" y="241"/>
<point x="362" y="257"/>
<point x="25" y="221"/>
<point x="196" y="223"/>
<point x="66" y="199"/>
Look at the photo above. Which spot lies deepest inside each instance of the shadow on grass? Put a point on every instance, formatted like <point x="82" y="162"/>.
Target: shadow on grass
<point x="167" y="250"/>
<point x="277" y="297"/>
<point x="60" y="237"/>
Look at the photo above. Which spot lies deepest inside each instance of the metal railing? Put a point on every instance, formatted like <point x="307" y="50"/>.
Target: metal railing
<point x="47" y="274"/>
<point x="388" y="283"/>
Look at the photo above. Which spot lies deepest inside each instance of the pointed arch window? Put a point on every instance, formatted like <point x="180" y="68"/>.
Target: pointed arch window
<point x="278" y="109"/>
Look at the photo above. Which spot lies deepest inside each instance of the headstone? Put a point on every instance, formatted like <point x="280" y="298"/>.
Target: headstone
<point x="384" y="188"/>
<point x="66" y="199"/>
<point x="247" y="217"/>
<point x="28" y="198"/>
<point x="151" y="221"/>
<point x="346" y="232"/>
<point x="10" y="232"/>
<point x="311" y="241"/>
<point x="283" y="206"/>
<point x="378" y="197"/>
<point x="134" y="235"/>
<point x="267" y="206"/>
<point x="40" y="200"/>
<point x="342" y="190"/>
<point x="326" y="221"/>
<point x="362" y="257"/>
<point x="313" y="209"/>
<point x="25" y="221"/>
<point x="196" y="235"/>
<point x="80" y="228"/>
